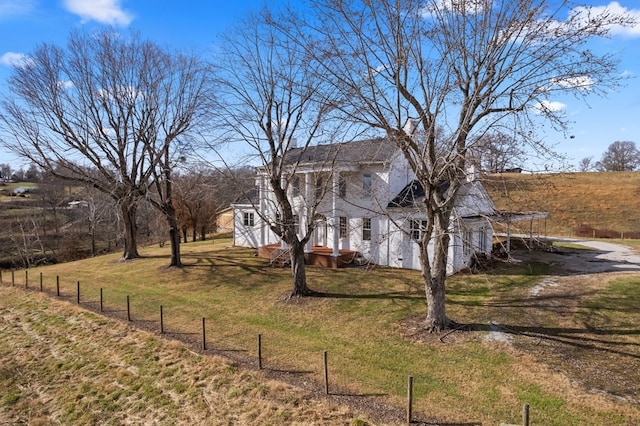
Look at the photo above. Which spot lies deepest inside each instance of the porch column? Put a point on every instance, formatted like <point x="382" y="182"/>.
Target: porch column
<point x="335" y="222"/>
<point x="261" y="209"/>
<point x="308" y="193"/>
<point x="283" y="180"/>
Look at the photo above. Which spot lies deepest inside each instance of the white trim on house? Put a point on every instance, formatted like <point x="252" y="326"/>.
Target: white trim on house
<point x="358" y="202"/>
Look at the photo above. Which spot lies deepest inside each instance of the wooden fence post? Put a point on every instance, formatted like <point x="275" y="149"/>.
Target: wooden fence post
<point x="26" y="278"/>
<point x="128" y="309"/>
<point x="13" y="278"/>
<point x="78" y="293"/>
<point x="161" y="321"/>
<point x="58" y="285"/>
<point x="40" y="281"/>
<point x="260" y="351"/>
<point x="525" y="415"/>
<point x="204" y="336"/>
<point x="410" y="399"/>
<point x="100" y="299"/>
<point x="326" y="373"/>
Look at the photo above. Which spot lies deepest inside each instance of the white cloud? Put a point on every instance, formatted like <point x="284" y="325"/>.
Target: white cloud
<point x="15" y="7"/>
<point x="104" y="11"/>
<point x="612" y="9"/>
<point x="468" y="6"/>
<point x="13" y="59"/>
<point x="583" y="82"/>
<point x="549" y="106"/>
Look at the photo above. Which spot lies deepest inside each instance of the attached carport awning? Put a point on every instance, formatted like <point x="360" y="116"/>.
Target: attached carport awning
<point x="509" y="217"/>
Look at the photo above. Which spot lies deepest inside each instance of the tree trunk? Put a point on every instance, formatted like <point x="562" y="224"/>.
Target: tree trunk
<point x="128" y="210"/>
<point x="174" y="235"/>
<point x="435" y="274"/>
<point x="298" y="270"/>
<point x="93" y="243"/>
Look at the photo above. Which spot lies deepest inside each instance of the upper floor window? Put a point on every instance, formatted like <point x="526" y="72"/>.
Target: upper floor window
<point x="319" y="189"/>
<point x="366" y="184"/>
<point x="295" y="186"/>
<point x="248" y="219"/>
<point x="342" y="186"/>
<point x="366" y="229"/>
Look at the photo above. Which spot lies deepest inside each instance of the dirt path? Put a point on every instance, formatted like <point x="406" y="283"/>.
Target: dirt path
<point x="596" y="347"/>
<point x="605" y="257"/>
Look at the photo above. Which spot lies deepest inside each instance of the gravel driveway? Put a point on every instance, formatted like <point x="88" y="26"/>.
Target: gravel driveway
<point x="604" y="257"/>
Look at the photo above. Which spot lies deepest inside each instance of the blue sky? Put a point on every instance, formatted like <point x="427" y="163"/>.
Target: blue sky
<point x="195" y="24"/>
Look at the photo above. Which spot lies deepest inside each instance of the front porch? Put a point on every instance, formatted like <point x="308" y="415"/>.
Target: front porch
<point x="318" y="256"/>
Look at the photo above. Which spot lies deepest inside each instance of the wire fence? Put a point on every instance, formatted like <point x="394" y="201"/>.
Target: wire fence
<point x="159" y="318"/>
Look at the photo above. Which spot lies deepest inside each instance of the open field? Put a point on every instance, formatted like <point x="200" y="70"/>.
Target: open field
<point x="63" y="365"/>
<point x="570" y="351"/>
<point x="603" y="201"/>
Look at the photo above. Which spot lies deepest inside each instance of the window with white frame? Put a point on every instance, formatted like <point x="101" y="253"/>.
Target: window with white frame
<point x="417" y="229"/>
<point x="248" y="219"/>
<point x="295" y="186"/>
<point x="367" y="184"/>
<point x="342" y="186"/>
<point x="467" y="242"/>
<point x="366" y="229"/>
<point x="319" y="187"/>
<point x="482" y="240"/>
<point x="343" y="227"/>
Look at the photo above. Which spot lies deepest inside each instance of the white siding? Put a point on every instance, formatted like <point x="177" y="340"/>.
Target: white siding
<point x="391" y="243"/>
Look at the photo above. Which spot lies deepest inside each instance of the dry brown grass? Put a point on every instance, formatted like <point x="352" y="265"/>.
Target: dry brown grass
<point x="361" y="322"/>
<point x="60" y="364"/>
<point x="607" y="201"/>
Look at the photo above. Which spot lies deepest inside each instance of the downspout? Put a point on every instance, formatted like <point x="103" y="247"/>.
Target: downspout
<point x="388" y="241"/>
<point x="334" y="219"/>
<point x="307" y="196"/>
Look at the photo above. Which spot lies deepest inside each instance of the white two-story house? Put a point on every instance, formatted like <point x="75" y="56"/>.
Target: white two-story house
<point x="365" y="201"/>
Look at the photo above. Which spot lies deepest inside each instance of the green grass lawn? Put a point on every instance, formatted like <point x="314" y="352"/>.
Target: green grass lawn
<point x="361" y="321"/>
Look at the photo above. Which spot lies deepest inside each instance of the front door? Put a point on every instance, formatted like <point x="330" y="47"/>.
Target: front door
<point x="320" y="233"/>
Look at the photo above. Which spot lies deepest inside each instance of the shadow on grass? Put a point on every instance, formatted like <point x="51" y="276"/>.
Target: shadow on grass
<point x="210" y="261"/>
<point x="422" y="423"/>
<point x="286" y="371"/>
<point x="358" y="395"/>
<point x="405" y="295"/>
<point x="574" y="337"/>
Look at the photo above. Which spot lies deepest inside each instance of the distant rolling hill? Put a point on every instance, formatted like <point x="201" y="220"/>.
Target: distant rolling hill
<point x="579" y="204"/>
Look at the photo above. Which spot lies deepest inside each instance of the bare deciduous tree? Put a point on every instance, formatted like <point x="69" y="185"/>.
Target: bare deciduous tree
<point x="496" y="152"/>
<point x="108" y="110"/>
<point x="272" y="100"/>
<point x="5" y="171"/>
<point x="621" y="156"/>
<point x="460" y="66"/>
<point x="586" y="164"/>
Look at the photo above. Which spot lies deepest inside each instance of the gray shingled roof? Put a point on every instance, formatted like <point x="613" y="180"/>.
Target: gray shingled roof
<point x="371" y="150"/>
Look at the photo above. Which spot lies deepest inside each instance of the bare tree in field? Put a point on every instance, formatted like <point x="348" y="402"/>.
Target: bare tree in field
<point x="463" y="67"/>
<point x="195" y="201"/>
<point x="111" y="111"/>
<point x="586" y="164"/>
<point x="620" y="156"/>
<point x="272" y="101"/>
<point x="496" y="152"/>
